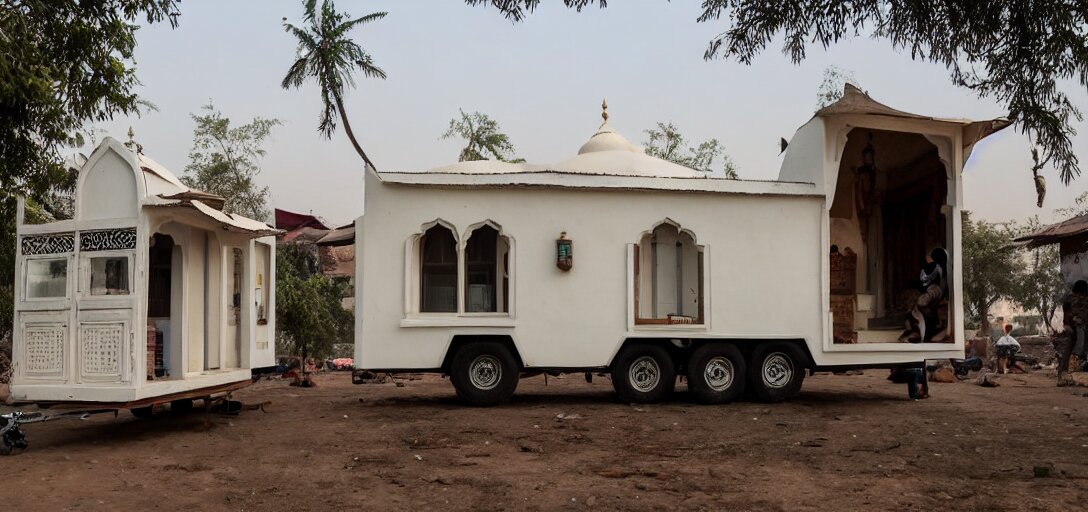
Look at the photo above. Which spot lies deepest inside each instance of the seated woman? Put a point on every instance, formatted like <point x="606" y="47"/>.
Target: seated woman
<point x="923" y="322"/>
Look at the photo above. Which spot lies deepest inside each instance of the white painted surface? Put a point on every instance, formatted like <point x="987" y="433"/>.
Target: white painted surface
<point x="766" y="252"/>
<point x="83" y="344"/>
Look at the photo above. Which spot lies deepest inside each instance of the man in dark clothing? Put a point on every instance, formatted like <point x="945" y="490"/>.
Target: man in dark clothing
<point x="1073" y="338"/>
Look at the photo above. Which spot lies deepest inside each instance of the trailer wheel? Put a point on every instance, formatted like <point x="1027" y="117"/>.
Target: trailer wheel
<point x="143" y="412"/>
<point x="643" y="374"/>
<point x="181" y="406"/>
<point x="717" y="373"/>
<point x="776" y="372"/>
<point x="484" y="373"/>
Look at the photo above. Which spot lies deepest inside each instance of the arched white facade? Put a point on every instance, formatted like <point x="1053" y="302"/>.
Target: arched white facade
<point x="98" y="319"/>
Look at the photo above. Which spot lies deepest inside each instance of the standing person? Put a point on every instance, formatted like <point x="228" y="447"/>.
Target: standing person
<point x="914" y="378"/>
<point x="1007" y="347"/>
<point x="1075" y="330"/>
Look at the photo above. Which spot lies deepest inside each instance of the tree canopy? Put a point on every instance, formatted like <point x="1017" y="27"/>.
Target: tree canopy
<point x="1017" y="52"/>
<point x="310" y="317"/>
<point x="831" y="88"/>
<point x="667" y="143"/>
<point x="225" y="160"/>
<point x="990" y="267"/>
<point x="65" y="65"/>
<point x="328" y="56"/>
<point x="484" y="139"/>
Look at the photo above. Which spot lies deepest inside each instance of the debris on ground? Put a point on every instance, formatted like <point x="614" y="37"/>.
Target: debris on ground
<point x="987" y="379"/>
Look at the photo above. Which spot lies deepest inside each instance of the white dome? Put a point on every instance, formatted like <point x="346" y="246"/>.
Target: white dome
<point x="607" y="139"/>
<point x="606" y="153"/>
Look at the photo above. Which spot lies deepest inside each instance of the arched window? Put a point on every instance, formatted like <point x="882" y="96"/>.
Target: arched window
<point x="438" y="271"/>
<point x="669" y="277"/>
<point x="486" y="271"/>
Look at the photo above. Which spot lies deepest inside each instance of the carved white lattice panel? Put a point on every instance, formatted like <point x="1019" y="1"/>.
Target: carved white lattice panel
<point x="43" y="349"/>
<point x="101" y="349"/>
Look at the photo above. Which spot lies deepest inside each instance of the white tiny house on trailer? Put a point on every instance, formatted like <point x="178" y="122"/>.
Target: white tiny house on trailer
<point x="615" y="260"/>
<point x="149" y="291"/>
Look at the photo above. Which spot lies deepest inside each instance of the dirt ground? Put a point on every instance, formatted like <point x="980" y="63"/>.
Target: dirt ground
<point x="847" y="442"/>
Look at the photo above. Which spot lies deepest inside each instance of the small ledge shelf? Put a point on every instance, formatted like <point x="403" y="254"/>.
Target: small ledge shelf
<point x="459" y="321"/>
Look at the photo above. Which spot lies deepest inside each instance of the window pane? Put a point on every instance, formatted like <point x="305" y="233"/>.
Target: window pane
<point x="439" y="271"/>
<point x="109" y="275"/>
<point x="47" y="278"/>
<point x="481" y="260"/>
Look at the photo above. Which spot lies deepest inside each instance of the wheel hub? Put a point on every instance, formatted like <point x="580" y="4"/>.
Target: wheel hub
<point x="719" y="373"/>
<point x="485" y="372"/>
<point x="777" y="370"/>
<point x="644" y="374"/>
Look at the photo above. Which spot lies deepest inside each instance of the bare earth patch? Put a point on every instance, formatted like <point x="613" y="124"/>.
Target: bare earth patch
<point x="847" y="442"/>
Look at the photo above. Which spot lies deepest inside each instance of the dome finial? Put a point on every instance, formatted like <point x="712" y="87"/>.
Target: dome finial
<point x="604" y="110"/>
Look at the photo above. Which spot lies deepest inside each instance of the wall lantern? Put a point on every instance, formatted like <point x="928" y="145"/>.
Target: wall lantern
<point x="564" y="252"/>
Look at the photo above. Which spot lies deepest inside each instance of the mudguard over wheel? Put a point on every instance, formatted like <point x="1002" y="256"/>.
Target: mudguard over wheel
<point x="643" y="373"/>
<point x="717" y="373"/>
<point x="484" y="373"/>
<point x="776" y="371"/>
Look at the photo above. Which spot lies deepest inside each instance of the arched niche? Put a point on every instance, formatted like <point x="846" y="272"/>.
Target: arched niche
<point x="669" y="276"/>
<point x="108" y="187"/>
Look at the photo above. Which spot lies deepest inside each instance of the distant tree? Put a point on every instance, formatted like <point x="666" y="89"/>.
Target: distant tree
<point x="991" y="268"/>
<point x="225" y="160"/>
<point x="1080" y="207"/>
<point x="484" y="139"/>
<point x="832" y="86"/>
<point x="667" y="143"/>
<point x="326" y="55"/>
<point x="1014" y="51"/>
<point x="65" y="65"/>
<point x="309" y="315"/>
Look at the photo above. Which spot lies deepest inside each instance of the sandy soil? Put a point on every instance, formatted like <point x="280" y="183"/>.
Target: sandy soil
<point x="848" y="442"/>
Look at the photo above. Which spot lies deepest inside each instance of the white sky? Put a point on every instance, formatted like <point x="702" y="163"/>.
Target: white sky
<point x="543" y="81"/>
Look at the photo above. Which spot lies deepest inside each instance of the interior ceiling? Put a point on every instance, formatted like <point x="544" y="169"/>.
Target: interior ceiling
<point x="894" y="150"/>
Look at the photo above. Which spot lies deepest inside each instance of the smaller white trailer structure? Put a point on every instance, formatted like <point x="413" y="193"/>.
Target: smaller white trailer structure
<point x="149" y="294"/>
<point x="617" y="261"/>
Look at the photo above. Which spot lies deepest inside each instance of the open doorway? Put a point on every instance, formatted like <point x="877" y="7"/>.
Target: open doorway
<point x="164" y="284"/>
<point x="890" y="228"/>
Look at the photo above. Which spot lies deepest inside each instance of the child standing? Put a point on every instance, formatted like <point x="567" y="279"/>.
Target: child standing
<point x="1007" y="347"/>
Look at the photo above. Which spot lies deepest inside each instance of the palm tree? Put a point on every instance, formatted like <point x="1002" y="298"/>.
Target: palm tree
<point x="327" y="55"/>
<point x="482" y="137"/>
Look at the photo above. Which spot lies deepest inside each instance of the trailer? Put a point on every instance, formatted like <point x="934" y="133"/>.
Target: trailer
<point x="619" y="262"/>
<point x="150" y="293"/>
<point x="12" y="436"/>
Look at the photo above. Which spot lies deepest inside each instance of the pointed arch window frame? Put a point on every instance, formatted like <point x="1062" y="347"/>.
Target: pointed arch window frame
<point x="634" y="320"/>
<point x="413" y="314"/>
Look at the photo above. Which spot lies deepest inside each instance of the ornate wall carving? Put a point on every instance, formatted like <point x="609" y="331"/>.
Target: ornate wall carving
<point x="43" y="349"/>
<point x="101" y="346"/>
<point x="107" y="239"/>
<point x="49" y="244"/>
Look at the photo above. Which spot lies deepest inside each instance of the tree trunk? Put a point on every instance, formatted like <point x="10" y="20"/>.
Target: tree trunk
<point x="984" y="320"/>
<point x="351" y="135"/>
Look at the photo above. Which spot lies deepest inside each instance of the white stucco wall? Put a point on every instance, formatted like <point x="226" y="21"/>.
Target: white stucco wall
<point x="763" y="264"/>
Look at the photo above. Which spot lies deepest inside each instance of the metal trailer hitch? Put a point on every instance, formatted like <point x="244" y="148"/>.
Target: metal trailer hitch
<point x="11" y="432"/>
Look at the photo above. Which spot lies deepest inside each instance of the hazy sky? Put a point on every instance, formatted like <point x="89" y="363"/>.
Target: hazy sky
<point x="543" y="81"/>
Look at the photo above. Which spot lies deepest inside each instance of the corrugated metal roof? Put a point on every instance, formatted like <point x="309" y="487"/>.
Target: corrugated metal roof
<point x="1055" y="233"/>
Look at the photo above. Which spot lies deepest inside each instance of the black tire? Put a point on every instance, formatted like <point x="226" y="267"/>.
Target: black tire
<point x="643" y="373"/>
<point x="143" y="412"/>
<point x="776" y="371"/>
<point x="484" y="373"/>
<point x="717" y="373"/>
<point x="181" y="406"/>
